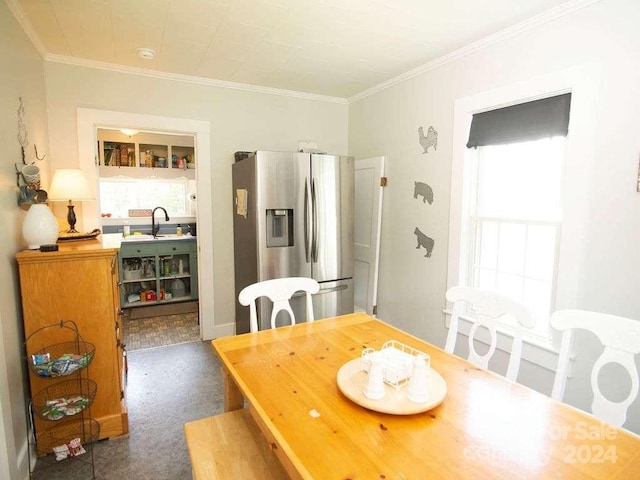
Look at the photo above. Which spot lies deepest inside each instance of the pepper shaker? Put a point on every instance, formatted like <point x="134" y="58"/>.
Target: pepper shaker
<point x="375" y="385"/>
<point x="418" y="390"/>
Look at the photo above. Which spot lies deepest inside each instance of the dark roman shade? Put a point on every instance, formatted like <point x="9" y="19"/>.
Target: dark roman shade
<point x="544" y="118"/>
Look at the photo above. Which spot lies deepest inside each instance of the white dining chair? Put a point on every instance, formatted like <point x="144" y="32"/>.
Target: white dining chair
<point x="621" y="339"/>
<point x="279" y="291"/>
<point x="483" y="309"/>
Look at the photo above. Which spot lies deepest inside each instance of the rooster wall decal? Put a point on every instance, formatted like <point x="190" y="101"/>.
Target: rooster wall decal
<point x="431" y="140"/>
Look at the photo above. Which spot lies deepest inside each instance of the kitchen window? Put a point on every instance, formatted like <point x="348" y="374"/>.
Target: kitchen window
<point x="118" y="195"/>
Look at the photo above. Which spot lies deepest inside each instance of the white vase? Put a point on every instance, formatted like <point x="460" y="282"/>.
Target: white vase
<point x="40" y="226"/>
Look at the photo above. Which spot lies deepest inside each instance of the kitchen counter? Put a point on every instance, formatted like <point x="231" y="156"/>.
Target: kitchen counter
<point x="158" y="238"/>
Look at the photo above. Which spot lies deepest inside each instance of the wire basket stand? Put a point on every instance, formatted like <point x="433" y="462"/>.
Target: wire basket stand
<point x="62" y="430"/>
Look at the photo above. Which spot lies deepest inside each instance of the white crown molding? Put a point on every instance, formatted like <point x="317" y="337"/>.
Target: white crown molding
<point x="189" y="78"/>
<point x="507" y="33"/>
<point x="500" y="36"/>
<point x="21" y="18"/>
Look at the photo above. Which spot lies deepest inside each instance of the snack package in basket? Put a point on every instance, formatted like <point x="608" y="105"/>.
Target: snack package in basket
<point x="62" y="452"/>
<point x="76" y="448"/>
<point x="73" y="449"/>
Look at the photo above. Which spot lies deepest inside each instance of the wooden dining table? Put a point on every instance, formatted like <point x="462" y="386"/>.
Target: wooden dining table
<point x="486" y="427"/>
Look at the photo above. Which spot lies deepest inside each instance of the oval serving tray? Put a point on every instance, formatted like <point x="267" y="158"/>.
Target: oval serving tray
<point x="77" y="236"/>
<point x="352" y="381"/>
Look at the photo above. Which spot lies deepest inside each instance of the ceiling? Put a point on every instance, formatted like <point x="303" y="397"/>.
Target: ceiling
<point x="336" y="48"/>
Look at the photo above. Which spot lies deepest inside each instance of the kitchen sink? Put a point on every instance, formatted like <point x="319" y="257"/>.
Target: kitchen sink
<point x="159" y="238"/>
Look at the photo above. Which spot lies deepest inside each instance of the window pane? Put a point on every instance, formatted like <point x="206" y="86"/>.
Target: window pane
<point x="486" y="279"/>
<point x="170" y="195"/>
<point x="521" y="180"/>
<point x="537" y="295"/>
<point x="512" y="248"/>
<point x="488" y="244"/>
<point x="509" y="285"/>
<point x="118" y="196"/>
<point x="541" y="244"/>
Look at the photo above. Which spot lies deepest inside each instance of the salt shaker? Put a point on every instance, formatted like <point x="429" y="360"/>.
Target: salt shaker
<point x="375" y="386"/>
<point x="418" y="391"/>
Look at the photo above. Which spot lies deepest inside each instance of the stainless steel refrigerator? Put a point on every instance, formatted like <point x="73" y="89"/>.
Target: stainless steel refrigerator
<point x="293" y="217"/>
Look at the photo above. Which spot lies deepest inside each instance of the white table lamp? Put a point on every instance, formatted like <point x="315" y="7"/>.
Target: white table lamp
<point x="70" y="184"/>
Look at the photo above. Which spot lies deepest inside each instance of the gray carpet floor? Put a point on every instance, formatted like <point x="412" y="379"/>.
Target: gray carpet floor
<point x="166" y="388"/>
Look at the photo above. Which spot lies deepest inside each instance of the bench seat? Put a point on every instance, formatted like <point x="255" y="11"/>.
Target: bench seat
<point x="230" y="446"/>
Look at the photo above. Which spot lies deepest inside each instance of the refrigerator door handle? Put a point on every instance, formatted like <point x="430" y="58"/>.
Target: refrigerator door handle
<point x="314" y="214"/>
<point x="307" y="226"/>
<point x="324" y="291"/>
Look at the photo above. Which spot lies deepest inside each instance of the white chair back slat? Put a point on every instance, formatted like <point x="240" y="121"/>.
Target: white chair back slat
<point x="474" y="356"/>
<point x="279" y="291"/>
<point x="621" y="338"/>
<point x="485" y="310"/>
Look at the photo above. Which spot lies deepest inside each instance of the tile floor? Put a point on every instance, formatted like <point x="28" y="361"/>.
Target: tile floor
<point x="161" y="331"/>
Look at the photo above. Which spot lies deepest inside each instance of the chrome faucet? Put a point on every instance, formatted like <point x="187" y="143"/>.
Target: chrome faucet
<point x="155" y="228"/>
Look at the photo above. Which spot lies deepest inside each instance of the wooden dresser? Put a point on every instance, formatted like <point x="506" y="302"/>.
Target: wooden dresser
<point x="80" y="283"/>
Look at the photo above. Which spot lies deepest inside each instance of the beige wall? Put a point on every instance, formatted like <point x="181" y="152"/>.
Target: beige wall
<point x="240" y="120"/>
<point x="21" y="75"/>
<point x="605" y="35"/>
<point x="383" y="124"/>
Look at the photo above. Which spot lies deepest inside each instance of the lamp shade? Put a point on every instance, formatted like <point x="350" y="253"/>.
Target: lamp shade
<point x="69" y="184"/>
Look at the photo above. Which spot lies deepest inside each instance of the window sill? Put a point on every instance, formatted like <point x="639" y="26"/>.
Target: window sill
<point x="534" y="350"/>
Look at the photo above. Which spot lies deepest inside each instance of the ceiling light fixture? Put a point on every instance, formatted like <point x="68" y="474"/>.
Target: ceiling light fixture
<point x="129" y="132"/>
<point x="146" y="53"/>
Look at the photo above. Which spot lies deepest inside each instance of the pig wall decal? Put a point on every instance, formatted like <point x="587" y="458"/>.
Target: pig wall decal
<point x="424" y="190"/>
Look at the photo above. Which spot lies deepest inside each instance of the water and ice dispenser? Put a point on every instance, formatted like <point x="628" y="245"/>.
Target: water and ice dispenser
<point x="279" y="227"/>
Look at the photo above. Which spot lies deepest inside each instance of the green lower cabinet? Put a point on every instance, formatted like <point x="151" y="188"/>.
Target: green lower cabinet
<point x="158" y="272"/>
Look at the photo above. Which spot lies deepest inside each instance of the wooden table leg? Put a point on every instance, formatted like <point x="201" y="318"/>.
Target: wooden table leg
<point x="233" y="398"/>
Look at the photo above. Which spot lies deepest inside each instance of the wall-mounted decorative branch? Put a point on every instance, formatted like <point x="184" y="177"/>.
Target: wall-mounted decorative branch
<point x="18" y="175"/>
<point x="23" y="136"/>
<point x="29" y="193"/>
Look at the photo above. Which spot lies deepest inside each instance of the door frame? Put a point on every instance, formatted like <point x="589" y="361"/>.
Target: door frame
<point x="372" y="292"/>
<point x="89" y="120"/>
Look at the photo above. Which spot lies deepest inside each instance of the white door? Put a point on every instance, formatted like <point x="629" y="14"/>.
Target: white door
<point x="366" y="236"/>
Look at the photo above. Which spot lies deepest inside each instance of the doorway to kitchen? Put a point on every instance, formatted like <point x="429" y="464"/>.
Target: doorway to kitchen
<point x="147" y="196"/>
<point x="90" y="120"/>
